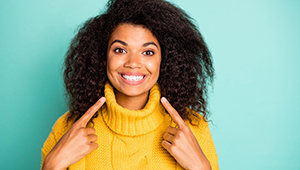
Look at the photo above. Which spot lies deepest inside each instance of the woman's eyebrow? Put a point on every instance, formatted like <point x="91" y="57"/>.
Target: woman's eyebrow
<point x="149" y="43"/>
<point x="124" y="43"/>
<point x="119" y="41"/>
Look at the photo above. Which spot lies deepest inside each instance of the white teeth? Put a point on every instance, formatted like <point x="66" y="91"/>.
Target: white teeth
<point x="132" y="78"/>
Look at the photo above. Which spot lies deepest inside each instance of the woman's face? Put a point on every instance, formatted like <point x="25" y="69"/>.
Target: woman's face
<point x="133" y="60"/>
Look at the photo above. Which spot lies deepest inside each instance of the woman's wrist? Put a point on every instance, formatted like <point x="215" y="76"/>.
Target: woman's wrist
<point x="51" y="164"/>
<point x="203" y="165"/>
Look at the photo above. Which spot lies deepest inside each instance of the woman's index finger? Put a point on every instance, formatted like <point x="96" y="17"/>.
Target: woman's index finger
<point x="85" y="118"/>
<point x="173" y="113"/>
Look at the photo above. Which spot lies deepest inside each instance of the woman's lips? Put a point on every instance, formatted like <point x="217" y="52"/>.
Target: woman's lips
<point x="133" y="78"/>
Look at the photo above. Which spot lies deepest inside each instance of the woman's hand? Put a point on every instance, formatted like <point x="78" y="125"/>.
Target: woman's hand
<point x="182" y="144"/>
<point x="76" y="143"/>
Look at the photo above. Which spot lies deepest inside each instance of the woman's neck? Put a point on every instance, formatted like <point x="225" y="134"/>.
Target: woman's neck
<point x="131" y="102"/>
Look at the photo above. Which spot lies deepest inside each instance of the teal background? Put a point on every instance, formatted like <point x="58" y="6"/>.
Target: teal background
<point x="255" y="103"/>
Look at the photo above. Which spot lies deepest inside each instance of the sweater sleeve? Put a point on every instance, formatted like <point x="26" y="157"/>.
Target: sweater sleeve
<point x="48" y="145"/>
<point x="204" y="137"/>
<point x="58" y="130"/>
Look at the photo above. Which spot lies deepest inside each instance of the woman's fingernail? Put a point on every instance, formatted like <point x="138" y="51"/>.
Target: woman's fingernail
<point x="102" y="99"/>
<point x="163" y="99"/>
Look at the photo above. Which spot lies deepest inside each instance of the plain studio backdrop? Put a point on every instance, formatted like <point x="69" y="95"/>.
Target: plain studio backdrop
<point x="255" y="103"/>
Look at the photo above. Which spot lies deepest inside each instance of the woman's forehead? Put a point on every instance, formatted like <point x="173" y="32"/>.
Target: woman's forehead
<point x="132" y="34"/>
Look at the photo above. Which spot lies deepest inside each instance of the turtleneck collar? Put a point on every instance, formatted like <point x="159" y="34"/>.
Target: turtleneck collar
<point x="133" y="122"/>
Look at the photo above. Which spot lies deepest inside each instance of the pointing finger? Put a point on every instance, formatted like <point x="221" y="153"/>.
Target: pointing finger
<point x="174" y="114"/>
<point x="90" y="112"/>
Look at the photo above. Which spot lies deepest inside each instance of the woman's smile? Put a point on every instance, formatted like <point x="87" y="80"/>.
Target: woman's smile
<point x="133" y="78"/>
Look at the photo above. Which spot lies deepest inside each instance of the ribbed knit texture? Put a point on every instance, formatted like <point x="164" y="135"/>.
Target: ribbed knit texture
<point x="131" y="139"/>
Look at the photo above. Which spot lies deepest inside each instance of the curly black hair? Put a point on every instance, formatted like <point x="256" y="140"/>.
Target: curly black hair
<point x="186" y="68"/>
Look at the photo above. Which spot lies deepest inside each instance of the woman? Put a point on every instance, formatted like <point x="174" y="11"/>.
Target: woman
<point x="117" y="68"/>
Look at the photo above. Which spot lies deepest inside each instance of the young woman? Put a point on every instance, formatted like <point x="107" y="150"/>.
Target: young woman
<point x="137" y="79"/>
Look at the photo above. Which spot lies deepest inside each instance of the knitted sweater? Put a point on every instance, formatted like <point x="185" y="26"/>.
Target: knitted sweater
<point x="130" y="139"/>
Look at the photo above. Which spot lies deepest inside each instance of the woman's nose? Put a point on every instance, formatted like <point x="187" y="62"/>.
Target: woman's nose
<point x="133" y="61"/>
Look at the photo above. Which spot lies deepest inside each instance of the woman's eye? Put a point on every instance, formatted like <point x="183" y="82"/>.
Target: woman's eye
<point x="148" y="52"/>
<point x="119" y="50"/>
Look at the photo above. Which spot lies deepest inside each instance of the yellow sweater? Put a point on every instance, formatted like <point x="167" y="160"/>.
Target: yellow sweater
<point x="131" y="139"/>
